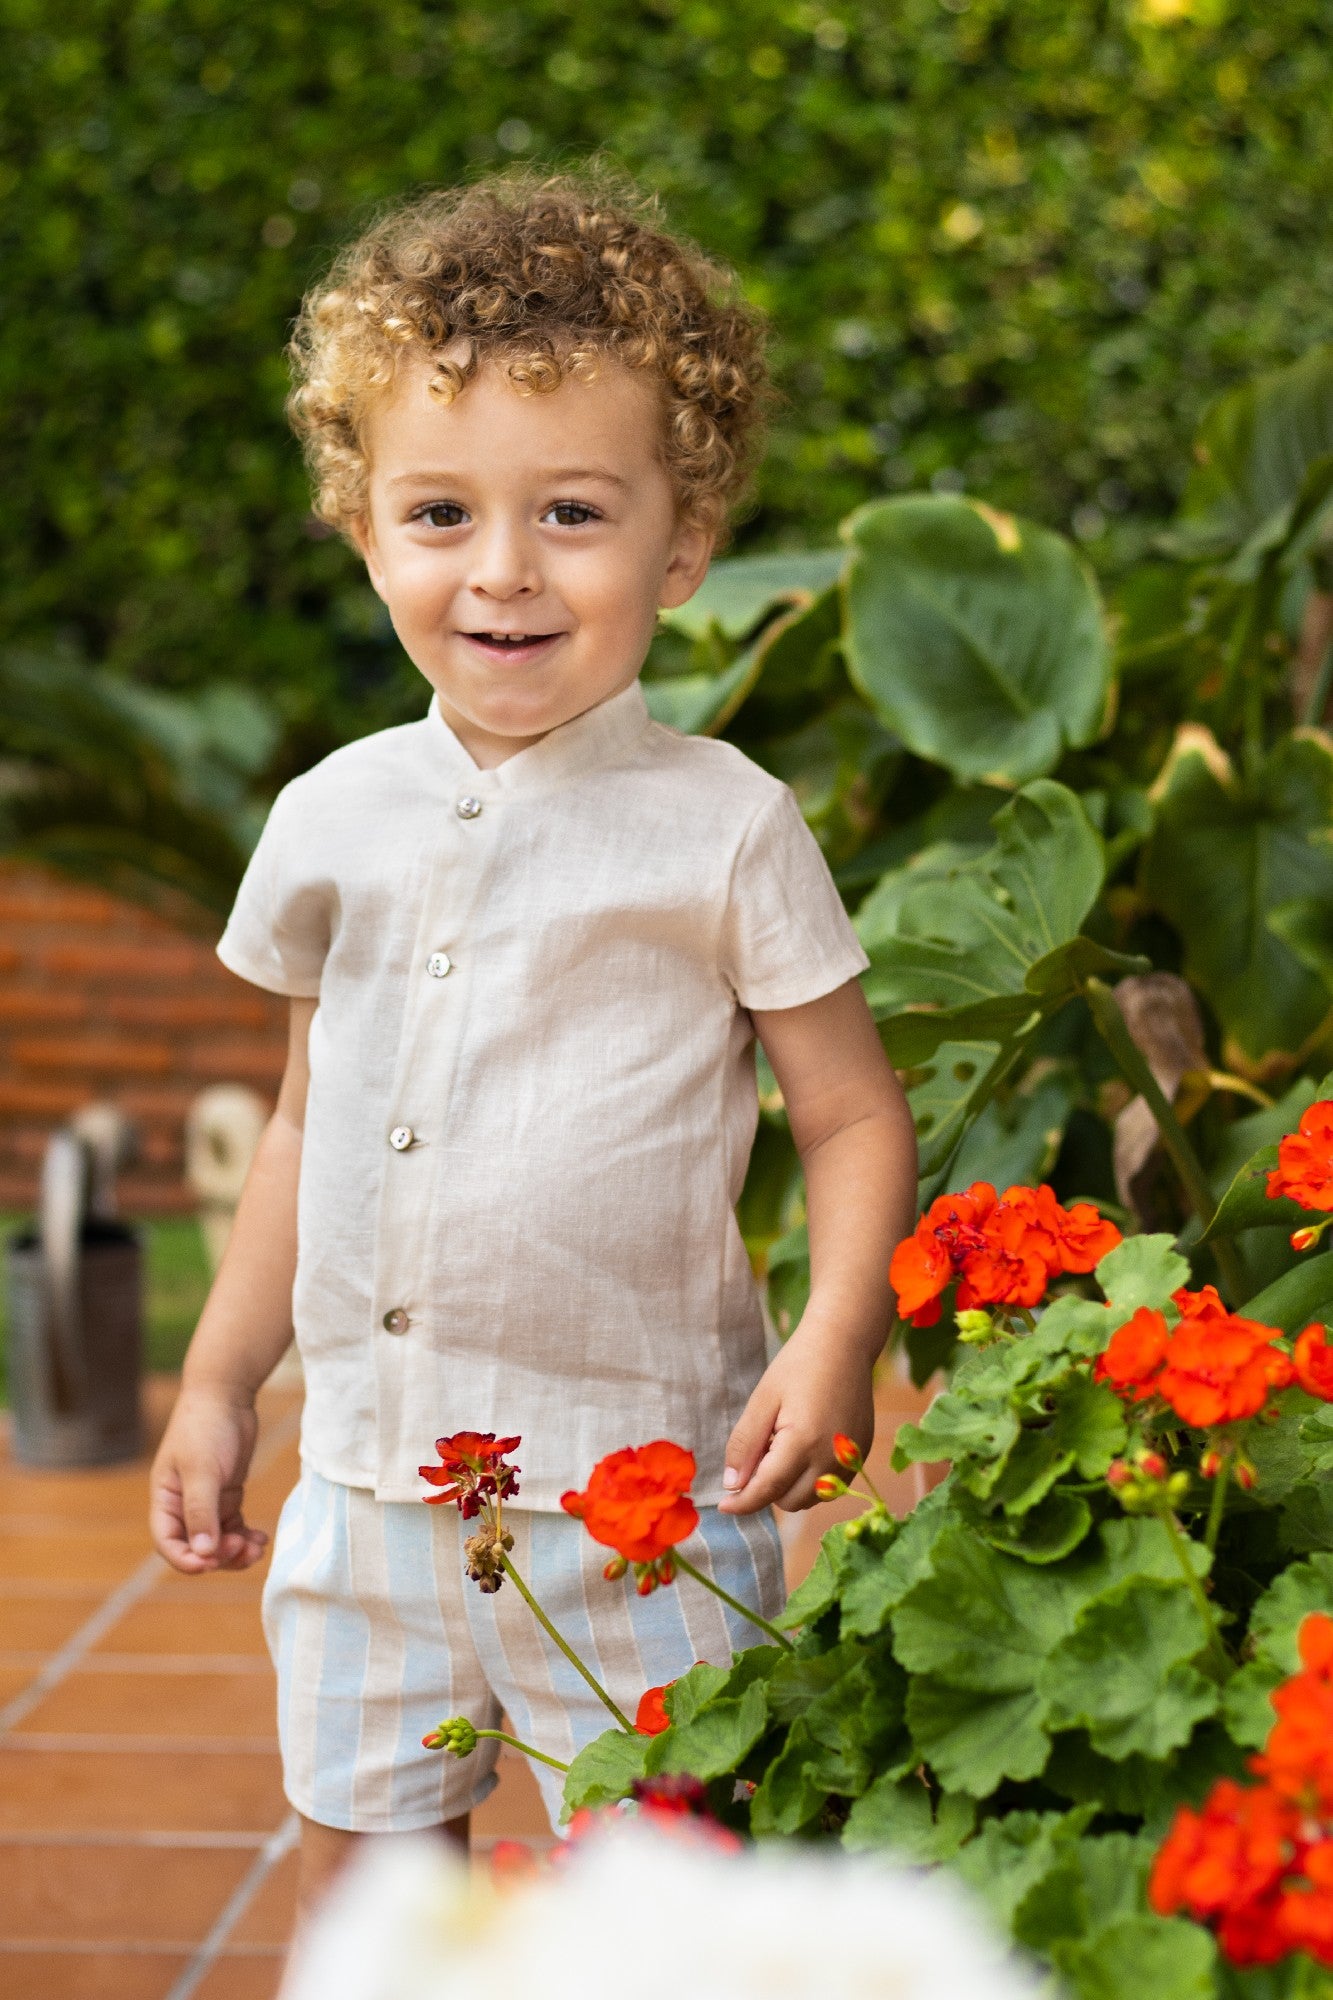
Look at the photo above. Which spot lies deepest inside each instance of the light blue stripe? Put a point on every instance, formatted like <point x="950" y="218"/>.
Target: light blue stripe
<point x="342" y="1678"/>
<point x="428" y="1678"/>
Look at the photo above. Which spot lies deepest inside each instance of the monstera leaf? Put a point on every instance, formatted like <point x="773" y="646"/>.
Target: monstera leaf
<point x="970" y="953"/>
<point x="979" y="638"/>
<point x="1228" y="851"/>
<point x="1264" y="457"/>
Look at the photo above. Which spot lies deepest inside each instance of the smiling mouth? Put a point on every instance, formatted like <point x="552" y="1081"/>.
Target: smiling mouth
<point x="511" y="642"/>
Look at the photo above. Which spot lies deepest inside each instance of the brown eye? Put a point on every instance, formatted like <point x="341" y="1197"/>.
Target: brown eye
<point x="442" y="514"/>
<point x="572" y="513"/>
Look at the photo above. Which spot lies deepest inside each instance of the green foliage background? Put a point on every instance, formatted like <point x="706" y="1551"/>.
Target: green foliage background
<point x="1015" y="245"/>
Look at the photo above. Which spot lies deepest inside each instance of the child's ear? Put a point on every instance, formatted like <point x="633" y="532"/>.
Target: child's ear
<point x="691" y="553"/>
<point x="363" y="535"/>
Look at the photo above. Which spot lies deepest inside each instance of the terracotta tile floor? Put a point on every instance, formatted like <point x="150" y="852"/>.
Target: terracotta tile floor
<point x="146" y="1850"/>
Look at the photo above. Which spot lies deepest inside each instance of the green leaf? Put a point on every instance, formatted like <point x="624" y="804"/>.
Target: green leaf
<point x="1123" y="1673"/>
<point x="1275" y="1625"/>
<point x="901" y="1814"/>
<point x="973" y="1740"/>
<point x="1013" y="1857"/>
<point x="880" y="1584"/>
<point x="1167" y="1957"/>
<point x="1090" y="1421"/>
<point x="1298" y="1296"/>
<point x="1257" y="445"/>
<point x="1225" y="852"/>
<point x="1017" y="1140"/>
<point x="1054" y="1528"/>
<point x="1305" y="926"/>
<point x="693" y="1690"/>
<point x="739" y="590"/>
<point x="956" y="1426"/>
<point x="834" y="1747"/>
<point x="817" y="1592"/>
<point x="788" y="1276"/>
<point x="1142" y="1271"/>
<point x="604" y="1770"/>
<point x="703" y="704"/>
<point x="978" y="638"/>
<point x="1248" y="1205"/>
<point x="715" y="1740"/>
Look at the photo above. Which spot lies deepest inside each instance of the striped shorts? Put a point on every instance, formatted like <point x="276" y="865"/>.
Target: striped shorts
<point x="377" y="1634"/>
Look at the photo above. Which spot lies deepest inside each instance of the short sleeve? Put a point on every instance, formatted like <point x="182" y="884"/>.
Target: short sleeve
<point x="786" y="937"/>
<point x="277" y="935"/>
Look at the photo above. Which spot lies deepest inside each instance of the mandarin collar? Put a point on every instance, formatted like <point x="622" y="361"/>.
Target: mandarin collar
<point x="595" y="737"/>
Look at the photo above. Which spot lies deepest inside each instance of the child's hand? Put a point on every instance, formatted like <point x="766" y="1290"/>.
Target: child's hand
<point x="195" y="1487"/>
<point x="785" y="1438"/>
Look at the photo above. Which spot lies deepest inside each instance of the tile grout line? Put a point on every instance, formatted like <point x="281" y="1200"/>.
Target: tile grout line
<point x="134" y="1587"/>
<point x="270" y="1854"/>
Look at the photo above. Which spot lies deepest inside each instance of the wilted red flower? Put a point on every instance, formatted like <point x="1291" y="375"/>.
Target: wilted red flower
<point x="1304" y="1170"/>
<point x="1312" y="1358"/>
<point x="1220" y="1368"/>
<point x="637" y="1501"/>
<point x="1134" y="1355"/>
<point x="651" y="1718"/>
<point x="471" y="1470"/>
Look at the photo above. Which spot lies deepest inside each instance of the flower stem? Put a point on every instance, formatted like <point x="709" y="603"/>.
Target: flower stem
<point x="501" y="1736"/>
<point x="1110" y="1025"/>
<point x="779" y="1638"/>
<point x="1216" y="1506"/>
<point x="1221" y="1664"/>
<point x="565" y="1646"/>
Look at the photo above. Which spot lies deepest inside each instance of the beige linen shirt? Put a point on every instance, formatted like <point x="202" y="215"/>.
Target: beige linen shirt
<point x="532" y="1094"/>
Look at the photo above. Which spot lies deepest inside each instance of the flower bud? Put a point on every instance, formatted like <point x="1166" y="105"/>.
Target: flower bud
<point x="1247" y="1478"/>
<point x="847" y="1452"/>
<point x="973" y="1326"/>
<point x="1119" y="1473"/>
<point x="645" y="1580"/>
<point x="615" y="1569"/>
<point x="1305" y="1239"/>
<point x="1151" y="1464"/>
<point x="666" y="1570"/>
<point x="828" y="1486"/>
<point x="1210" y="1465"/>
<point x="457" y="1735"/>
<point x="1177" y="1486"/>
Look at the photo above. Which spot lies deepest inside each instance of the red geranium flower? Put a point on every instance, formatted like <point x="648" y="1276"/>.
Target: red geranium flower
<point x="1298" y="1758"/>
<point x="1066" y="1239"/>
<point x="1232" y="1853"/>
<point x="471" y="1470"/>
<point x="1204" y="1304"/>
<point x="1220" y="1368"/>
<point x="637" y="1501"/>
<point x="651" y="1718"/>
<point x="1312" y="1358"/>
<point x="929" y="1260"/>
<point x="1304" y="1170"/>
<point x="1134" y="1356"/>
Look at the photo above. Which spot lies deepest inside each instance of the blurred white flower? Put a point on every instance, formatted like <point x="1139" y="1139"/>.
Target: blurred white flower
<point x="639" y="1915"/>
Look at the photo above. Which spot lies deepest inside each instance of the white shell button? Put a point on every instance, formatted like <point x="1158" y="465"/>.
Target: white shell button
<point x="468" y="808"/>
<point x="439" y="965"/>
<point x="401" y="1138"/>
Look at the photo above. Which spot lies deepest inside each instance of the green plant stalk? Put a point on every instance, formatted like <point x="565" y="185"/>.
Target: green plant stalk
<point x="565" y="1647"/>
<point x="503" y="1736"/>
<point x="1110" y="1025"/>
<point x="1217" y="1507"/>
<point x="1320" y="691"/>
<point x="779" y="1638"/>
<point x="1217" y="1651"/>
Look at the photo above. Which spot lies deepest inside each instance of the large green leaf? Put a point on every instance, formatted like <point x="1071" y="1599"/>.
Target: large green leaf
<point x="1124" y="1672"/>
<point x="604" y="1769"/>
<point x="1256" y="449"/>
<point x="1247" y="1203"/>
<point x="1297" y="1297"/>
<point x="979" y="638"/>
<point x="716" y="1739"/>
<point x="1167" y="1957"/>
<point x="739" y="590"/>
<point x="1275" y="1625"/>
<point x="1225" y="853"/>
<point x="900" y="1813"/>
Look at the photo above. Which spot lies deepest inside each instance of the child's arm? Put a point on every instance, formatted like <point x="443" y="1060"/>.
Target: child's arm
<point x="853" y="1130"/>
<point x="195" y="1488"/>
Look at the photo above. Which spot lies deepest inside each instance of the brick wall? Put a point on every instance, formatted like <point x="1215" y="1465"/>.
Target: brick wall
<point x="102" y="1000"/>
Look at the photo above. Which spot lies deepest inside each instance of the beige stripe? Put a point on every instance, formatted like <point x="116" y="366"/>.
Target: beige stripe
<point x="523" y="1646"/>
<point x="463" y="1685"/>
<point x="306" y="1665"/>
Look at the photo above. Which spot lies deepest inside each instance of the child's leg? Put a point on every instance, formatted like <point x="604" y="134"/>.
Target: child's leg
<point x="326" y="1850"/>
<point x="631" y="1643"/>
<point x="367" y="1619"/>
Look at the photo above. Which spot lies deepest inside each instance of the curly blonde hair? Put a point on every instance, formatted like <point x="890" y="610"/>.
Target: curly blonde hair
<point x="542" y="276"/>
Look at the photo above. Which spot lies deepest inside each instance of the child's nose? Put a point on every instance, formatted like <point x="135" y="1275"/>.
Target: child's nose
<point x="504" y="564"/>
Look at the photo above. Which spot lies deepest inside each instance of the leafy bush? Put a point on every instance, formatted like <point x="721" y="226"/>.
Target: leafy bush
<point x="1014" y="246"/>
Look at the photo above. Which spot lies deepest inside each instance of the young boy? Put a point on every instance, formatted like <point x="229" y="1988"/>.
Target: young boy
<point x="529" y="943"/>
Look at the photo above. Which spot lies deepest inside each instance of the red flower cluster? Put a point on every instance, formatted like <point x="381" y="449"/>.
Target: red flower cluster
<point x="472" y="1470"/>
<point x="638" y="1503"/>
<point x="1257" y="1862"/>
<point x="1212" y="1368"/>
<point x="1004" y="1249"/>
<point x="1304" y="1170"/>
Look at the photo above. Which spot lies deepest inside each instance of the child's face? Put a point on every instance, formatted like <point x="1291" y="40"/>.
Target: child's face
<point x="523" y="545"/>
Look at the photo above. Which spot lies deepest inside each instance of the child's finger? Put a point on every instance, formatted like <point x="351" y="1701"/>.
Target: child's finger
<point x="749" y="1441"/>
<point x="779" y="1469"/>
<point x="200" y="1507"/>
